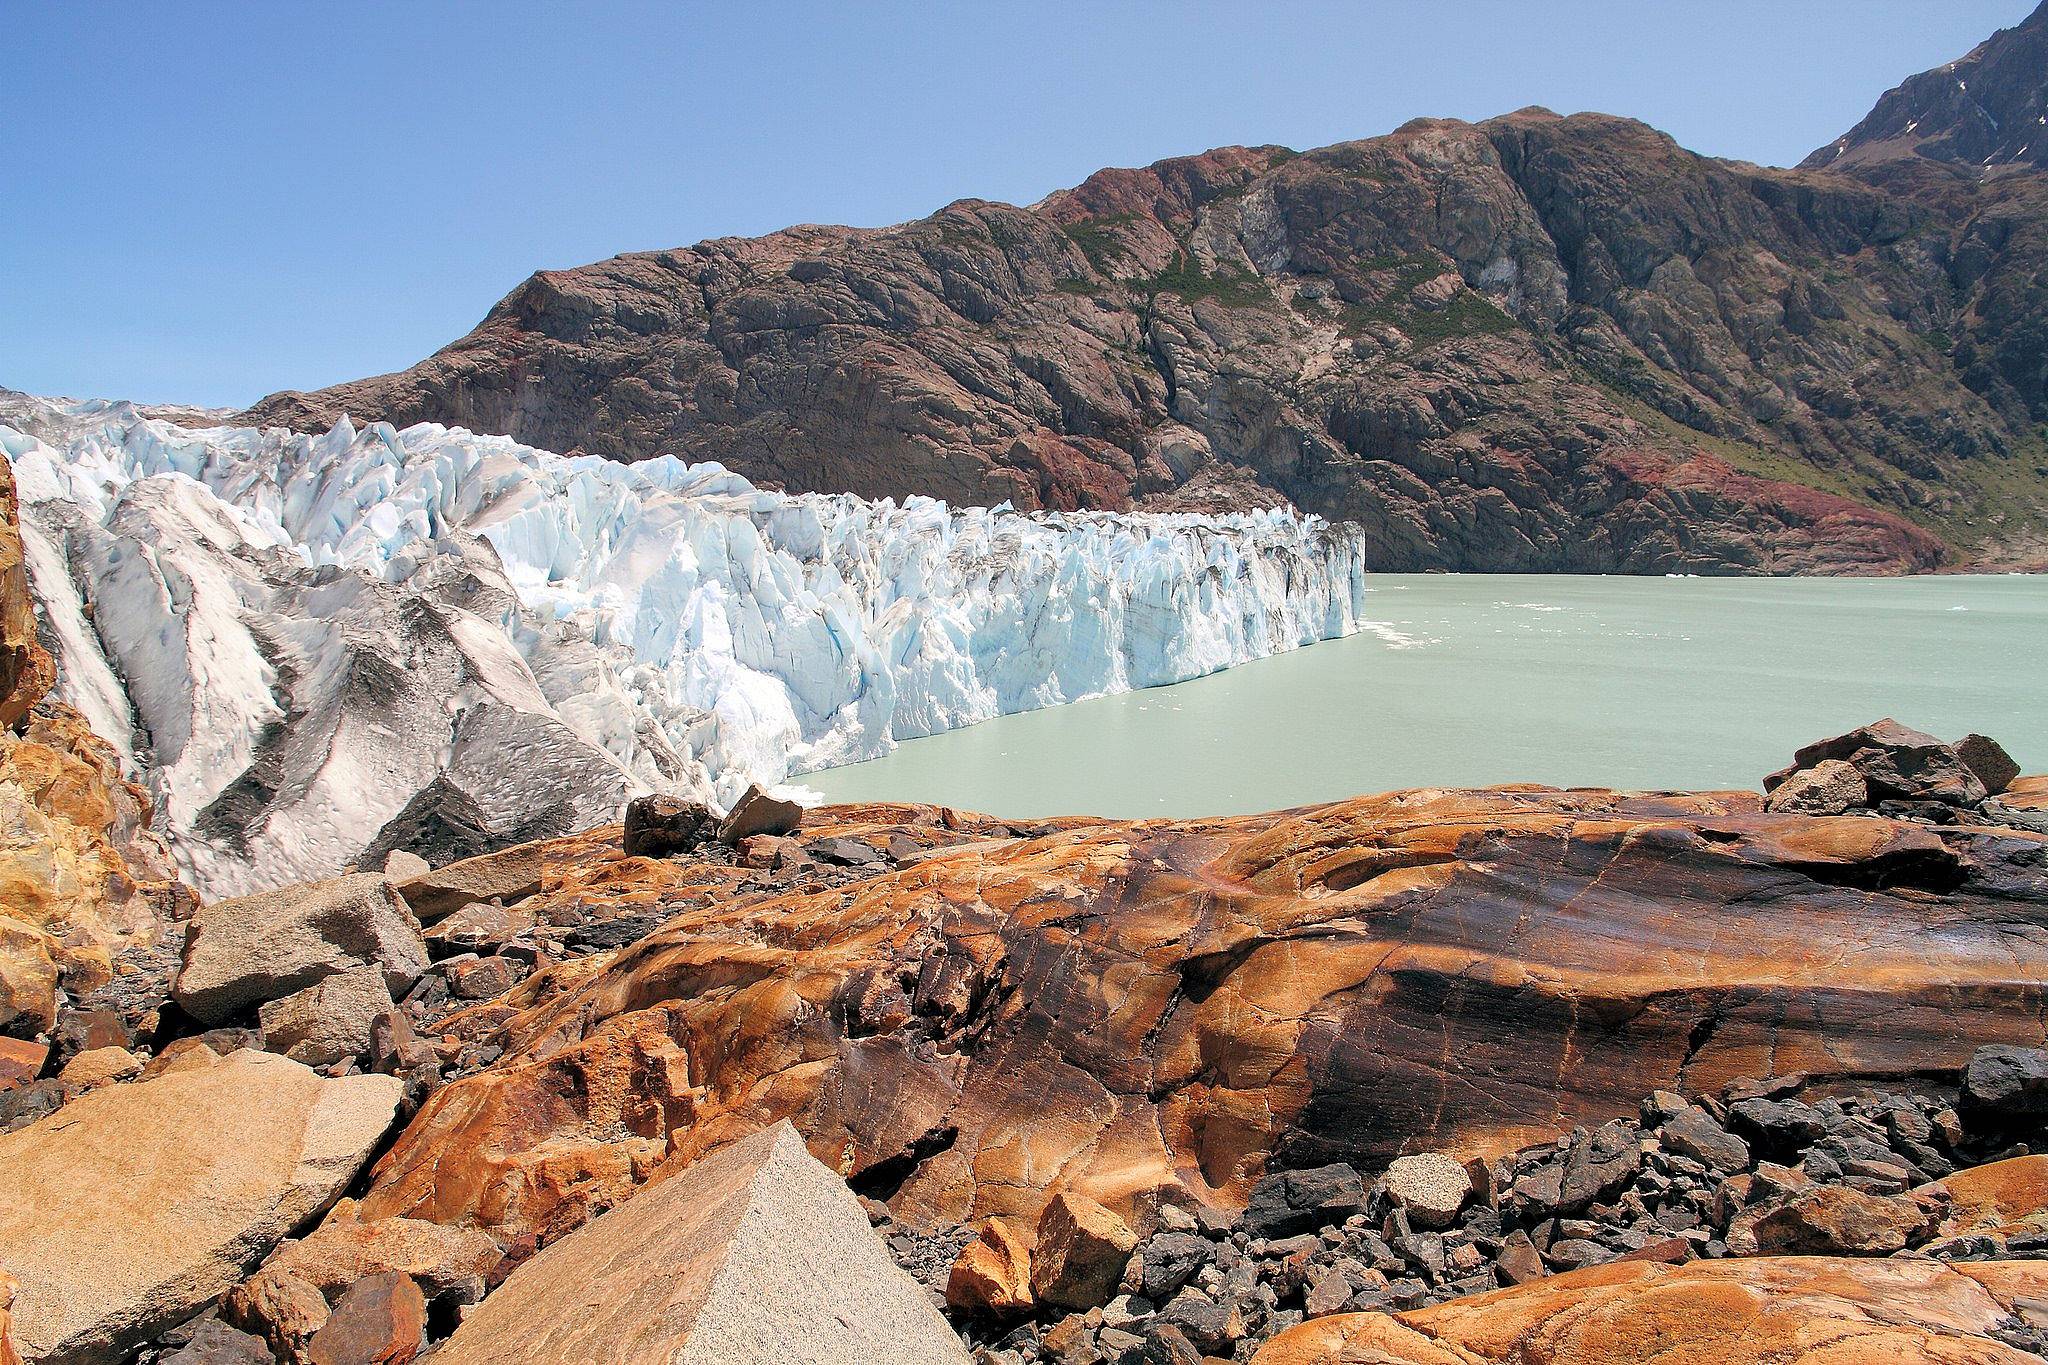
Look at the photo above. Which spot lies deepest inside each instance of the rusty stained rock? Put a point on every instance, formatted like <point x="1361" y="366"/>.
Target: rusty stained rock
<point x="1138" y="1011"/>
<point x="1790" y="1311"/>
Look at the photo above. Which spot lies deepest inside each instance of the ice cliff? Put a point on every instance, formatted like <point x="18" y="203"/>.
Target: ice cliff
<point x="318" y="648"/>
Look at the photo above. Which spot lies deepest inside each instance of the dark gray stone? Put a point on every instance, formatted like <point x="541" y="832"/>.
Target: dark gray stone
<point x="662" y="826"/>
<point x="1692" y="1132"/>
<point x="2007" y="1081"/>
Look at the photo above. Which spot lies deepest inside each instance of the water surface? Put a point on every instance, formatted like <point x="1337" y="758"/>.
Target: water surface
<point x="1475" y="680"/>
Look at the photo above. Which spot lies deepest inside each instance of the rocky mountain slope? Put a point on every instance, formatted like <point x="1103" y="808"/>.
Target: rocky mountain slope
<point x="1533" y="343"/>
<point x="1986" y="112"/>
<point x="317" y="650"/>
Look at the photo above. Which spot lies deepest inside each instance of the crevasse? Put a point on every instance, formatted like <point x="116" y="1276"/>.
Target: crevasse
<point x="254" y="615"/>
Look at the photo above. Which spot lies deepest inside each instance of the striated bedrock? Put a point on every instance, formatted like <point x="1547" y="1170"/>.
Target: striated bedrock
<point x="1790" y="1310"/>
<point x="1130" y="1011"/>
<point x="1534" y="343"/>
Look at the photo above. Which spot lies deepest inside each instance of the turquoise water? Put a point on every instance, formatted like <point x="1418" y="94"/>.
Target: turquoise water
<point x="1474" y="680"/>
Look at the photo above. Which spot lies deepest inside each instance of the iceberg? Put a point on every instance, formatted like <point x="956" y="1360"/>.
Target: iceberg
<point x="314" y="649"/>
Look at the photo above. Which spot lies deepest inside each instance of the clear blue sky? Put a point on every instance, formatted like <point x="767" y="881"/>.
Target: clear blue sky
<point x="205" y="203"/>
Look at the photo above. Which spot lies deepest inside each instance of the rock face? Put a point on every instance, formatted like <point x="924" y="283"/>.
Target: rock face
<point x="1137" y="1012"/>
<point x="1796" y="1311"/>
<point x="755" y="1253"/>
<point x="1534" y="343"/>
<point x="26" y="672"/>
<point x="83" y="880"/>
<point x="263" y="947"/>
<point x="135" y="1206"/>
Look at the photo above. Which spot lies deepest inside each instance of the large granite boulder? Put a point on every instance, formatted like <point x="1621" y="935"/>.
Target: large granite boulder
<point x="1150" y="1012"/>
<point x="1784" y="1311"/>
<point x="135" y="1206"/>
<point x="330" y="1020"/>
<point x="755" y="1253"/>
<point x="253" y="949"/>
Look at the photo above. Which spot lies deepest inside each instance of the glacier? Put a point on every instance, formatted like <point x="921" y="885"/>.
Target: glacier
<point x="314" y="649"/>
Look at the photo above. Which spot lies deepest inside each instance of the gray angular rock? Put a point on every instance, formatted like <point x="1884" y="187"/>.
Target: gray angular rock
<point x="1430" y="1186"/>
<point x="1829" y="787"/>
<point x="754" y="1253"/>
<point x="1987" y="758"/>
<point x="244" y="951"/>
<point x="2007" y="1081"/>
<point x="330" y="1020"/>
<point x="756" y="812"/>
<point x="1692" y="1132"/>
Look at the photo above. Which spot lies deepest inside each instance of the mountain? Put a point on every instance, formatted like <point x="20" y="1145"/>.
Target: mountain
<point x="1987" y="111"/>
<point x="1532" y="343"/>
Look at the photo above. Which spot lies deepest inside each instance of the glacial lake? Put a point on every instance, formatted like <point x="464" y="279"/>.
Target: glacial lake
<point x="1466" y="680"/>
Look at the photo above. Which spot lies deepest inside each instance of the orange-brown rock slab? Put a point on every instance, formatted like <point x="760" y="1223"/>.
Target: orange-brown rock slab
<point x="380" y="1320"/>
<point x="1152" y="1010"/>
<point x="2004" y="1197"/>
<point x="1783" y="1310"/>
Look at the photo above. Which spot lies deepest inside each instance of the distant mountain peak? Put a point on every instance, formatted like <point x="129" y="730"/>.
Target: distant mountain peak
<point x="1987" y="110"/>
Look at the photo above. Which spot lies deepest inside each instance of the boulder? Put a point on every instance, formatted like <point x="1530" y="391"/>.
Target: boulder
<point x="754" y="1253"/>
<point x="756" y="812"/>
<point x="380" y="1320"/>
<point x="1784" y="1310"/>
<point x="1899" y="761"/>
<point x="245" y="951"/>
<point x="101" y="1066"/>
<point x="1692" y="1132"/>
<point x="661" y="826"/>
<point x="991" y="1277"/>
<point x="1598" y="1164"/>
<point x="400" y="865"/>
<point x="2007" y="1082"/>
<point x="507" y="876"/>
<point x="480" y="928"/>
<point x="21" y="1061"/>
<point x="213" y="1342"/>
<point x="1987" y="758"/>
<point x="1081" y="1252"/>
<point x="1430" y="1186"/>
<point x="1287" y="1203"/>
<point x="330" y="1020"/>
<point x="135" y="1206"/>
<point x="1171" y="1260"/>
<point x="1829" y="787"/>
<point x="1831" y="1220"/>
<point x="481" y="978"/>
